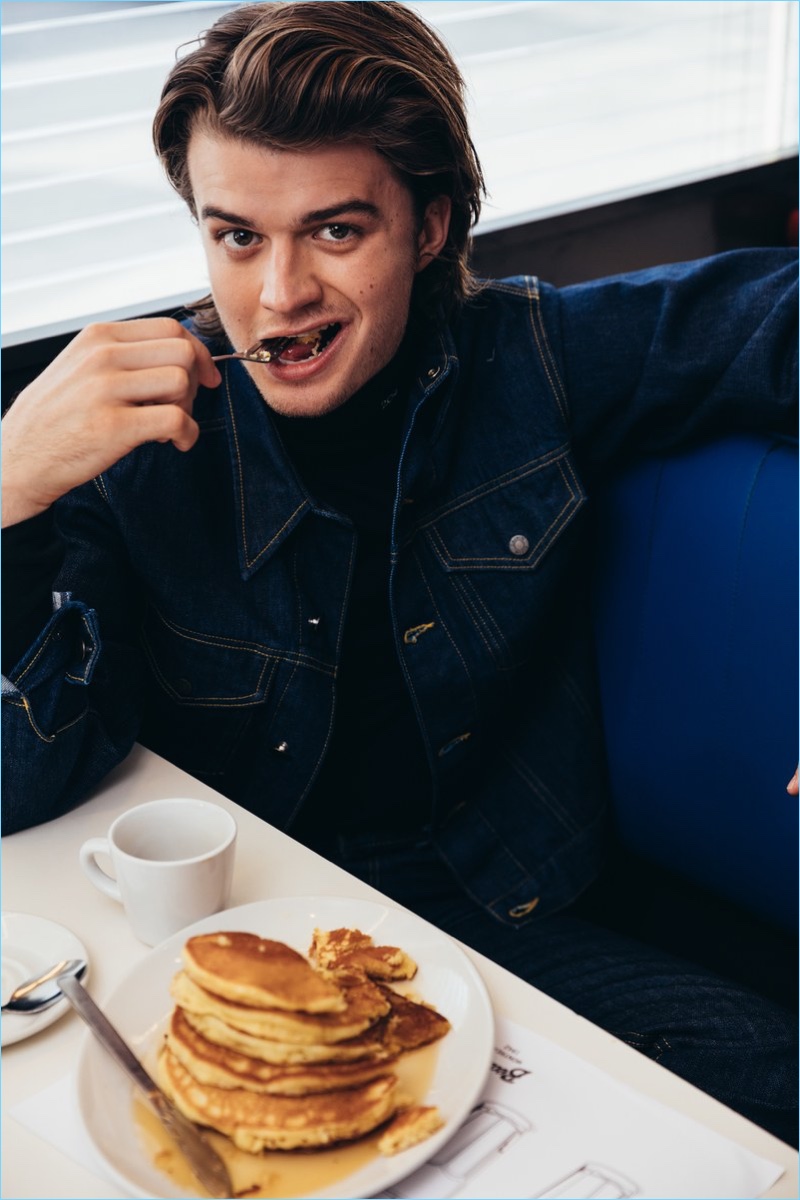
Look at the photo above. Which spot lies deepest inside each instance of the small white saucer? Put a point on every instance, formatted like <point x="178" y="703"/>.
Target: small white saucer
<point x="30" y="946"/>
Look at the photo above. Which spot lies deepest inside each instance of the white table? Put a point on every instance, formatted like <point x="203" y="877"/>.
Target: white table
<point x="41" y="876"/>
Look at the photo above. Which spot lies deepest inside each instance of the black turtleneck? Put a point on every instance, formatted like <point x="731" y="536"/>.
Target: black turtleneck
<point x="375" y="776"/>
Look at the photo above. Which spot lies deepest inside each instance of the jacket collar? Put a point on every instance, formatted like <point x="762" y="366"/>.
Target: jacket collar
<point x="270" y="499"/>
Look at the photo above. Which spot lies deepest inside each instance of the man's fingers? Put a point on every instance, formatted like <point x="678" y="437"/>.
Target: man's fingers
<point x="155" y="341"/>
<point x="115" y="386"/>
<point x="133" y="356"/>
<point x="141" y="330"/>
<point x="208" y="375"/>
<point x="163" y="423"/>
<point x="170" y="384"/>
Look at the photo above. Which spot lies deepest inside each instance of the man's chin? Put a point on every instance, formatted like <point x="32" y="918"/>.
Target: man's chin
<point x="300" y="402"/>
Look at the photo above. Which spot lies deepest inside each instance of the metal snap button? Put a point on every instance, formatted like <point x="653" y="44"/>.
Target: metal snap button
<point x="522" y="910"/>
<point x="519" y="544"/>
<point x="433" y="372"/>
<point x="281" y="747"/>
<point x="314" y="622"/>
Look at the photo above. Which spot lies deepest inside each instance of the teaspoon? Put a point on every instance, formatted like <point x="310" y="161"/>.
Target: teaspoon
<point x="22" y="999"/>
<point x="261" y="352"/>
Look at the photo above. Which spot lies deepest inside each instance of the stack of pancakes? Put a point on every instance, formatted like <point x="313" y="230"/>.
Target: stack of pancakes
<point x="280" y="1053"/>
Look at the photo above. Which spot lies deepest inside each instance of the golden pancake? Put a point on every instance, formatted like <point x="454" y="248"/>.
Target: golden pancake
<point x="364" y="1004"/>
<point x="256" y="1122"/>
<point x="410" y="1127"/>
<point x="411" y="1024"/>
<point x="259" y="972"/>
<point x="350" y="948"/>
<point x="370" y="1044"/>
<point x="225" y="1068"/>
<point x="407" y="1026"/>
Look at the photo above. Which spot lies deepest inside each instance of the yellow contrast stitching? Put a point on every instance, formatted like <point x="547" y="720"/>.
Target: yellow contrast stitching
<point x="559" y="520"/>
<point x="249" y="562"/>
<point x="532" y="467"/>
<point x="543" y="347"/>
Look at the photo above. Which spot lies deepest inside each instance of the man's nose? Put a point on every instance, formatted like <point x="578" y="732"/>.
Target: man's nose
<point x="289" y="282"/>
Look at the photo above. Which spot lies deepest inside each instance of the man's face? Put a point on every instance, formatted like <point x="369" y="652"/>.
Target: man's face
<point x="305" y="242"/>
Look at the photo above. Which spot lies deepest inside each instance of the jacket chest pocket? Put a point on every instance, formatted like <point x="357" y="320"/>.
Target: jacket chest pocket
<point x="499" y="547"/>
<point x="204" y="691"/>
<point x="510" y="522"/>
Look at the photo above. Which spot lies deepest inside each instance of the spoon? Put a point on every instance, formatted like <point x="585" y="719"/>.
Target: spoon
<point x="261" y="352"/>
<point x="21" y="999"/>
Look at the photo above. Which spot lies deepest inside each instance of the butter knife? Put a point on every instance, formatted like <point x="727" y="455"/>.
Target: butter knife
<point x="203" y="1159"/>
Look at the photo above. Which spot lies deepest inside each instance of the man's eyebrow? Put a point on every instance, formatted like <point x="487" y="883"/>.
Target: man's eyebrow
<point x="316" y="217"/>
<point x="210" y="211"/>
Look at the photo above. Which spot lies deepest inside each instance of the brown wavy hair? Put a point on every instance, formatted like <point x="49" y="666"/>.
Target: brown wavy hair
<point x="301" y="75"/>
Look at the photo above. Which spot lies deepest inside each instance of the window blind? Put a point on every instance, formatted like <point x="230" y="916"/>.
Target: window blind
<point x="572" y="103"/>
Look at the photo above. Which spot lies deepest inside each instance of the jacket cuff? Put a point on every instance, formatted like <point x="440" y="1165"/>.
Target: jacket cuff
<point x="48" y="679"/>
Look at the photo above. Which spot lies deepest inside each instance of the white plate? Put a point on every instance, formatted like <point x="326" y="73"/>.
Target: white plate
<point x="30" y="946"/>
<point x="140" y="1005"/>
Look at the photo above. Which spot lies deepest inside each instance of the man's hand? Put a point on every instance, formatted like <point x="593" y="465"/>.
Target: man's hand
<point x="792" y="786"/>
<point x="114" y="387"/>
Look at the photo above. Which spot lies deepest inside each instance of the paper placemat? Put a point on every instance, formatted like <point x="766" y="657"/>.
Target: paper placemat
<point x="548" y="1125"/>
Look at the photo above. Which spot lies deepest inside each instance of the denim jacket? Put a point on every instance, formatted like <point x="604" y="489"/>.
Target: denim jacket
<point x="203" y="595"/>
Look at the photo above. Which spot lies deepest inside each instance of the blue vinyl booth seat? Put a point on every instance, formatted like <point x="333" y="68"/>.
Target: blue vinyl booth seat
<point x="696" y="617"/>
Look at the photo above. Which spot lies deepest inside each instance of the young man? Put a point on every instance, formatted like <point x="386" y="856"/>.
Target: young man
<point x="354" y="602"/>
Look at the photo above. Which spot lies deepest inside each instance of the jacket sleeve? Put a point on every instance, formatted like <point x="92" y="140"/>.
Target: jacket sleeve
<point x="71" y="703"/>
<point x="654" y="359"/>
<point x="32" y="555"/>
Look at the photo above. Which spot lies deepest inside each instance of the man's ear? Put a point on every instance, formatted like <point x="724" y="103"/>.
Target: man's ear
<point x="433" y="234"/>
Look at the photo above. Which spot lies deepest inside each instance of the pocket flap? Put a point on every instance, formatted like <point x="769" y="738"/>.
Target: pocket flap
<point x="510" y="522"/>
<point x="205" y="669"/>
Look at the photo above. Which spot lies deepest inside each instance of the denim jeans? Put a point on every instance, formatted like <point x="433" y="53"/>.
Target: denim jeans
<point x="725" y="1039"/>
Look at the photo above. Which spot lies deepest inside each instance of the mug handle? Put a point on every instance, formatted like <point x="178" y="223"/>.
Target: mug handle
<point x="94" y="872"/>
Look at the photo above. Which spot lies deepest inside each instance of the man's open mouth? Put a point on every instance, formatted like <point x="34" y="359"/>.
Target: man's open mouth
<point x="296" y="349"/>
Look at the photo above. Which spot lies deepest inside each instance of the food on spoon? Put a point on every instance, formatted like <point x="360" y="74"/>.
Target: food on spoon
<point x="294" y="349"/>
<point x="270" y="1076"/>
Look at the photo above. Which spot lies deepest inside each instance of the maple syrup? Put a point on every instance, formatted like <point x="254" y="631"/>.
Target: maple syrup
<point x="283" y="1173"/>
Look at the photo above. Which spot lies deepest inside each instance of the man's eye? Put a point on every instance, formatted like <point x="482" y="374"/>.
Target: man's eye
<point x="238" y="239"/>
<point x="336" y="233"/>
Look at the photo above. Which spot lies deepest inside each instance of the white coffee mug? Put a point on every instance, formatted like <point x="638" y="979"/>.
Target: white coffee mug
<point x="172" y="862"/>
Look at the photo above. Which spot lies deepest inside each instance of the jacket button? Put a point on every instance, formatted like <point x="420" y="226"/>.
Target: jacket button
<point x="412" y="635"/>
<point x="522" y="910"/>
<point x="314" y="622"/>
<point x="433" y="372"/>
<point x="519" y="544"/>
<point x="281" y="747"/>
<point x="456" y="741"/>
